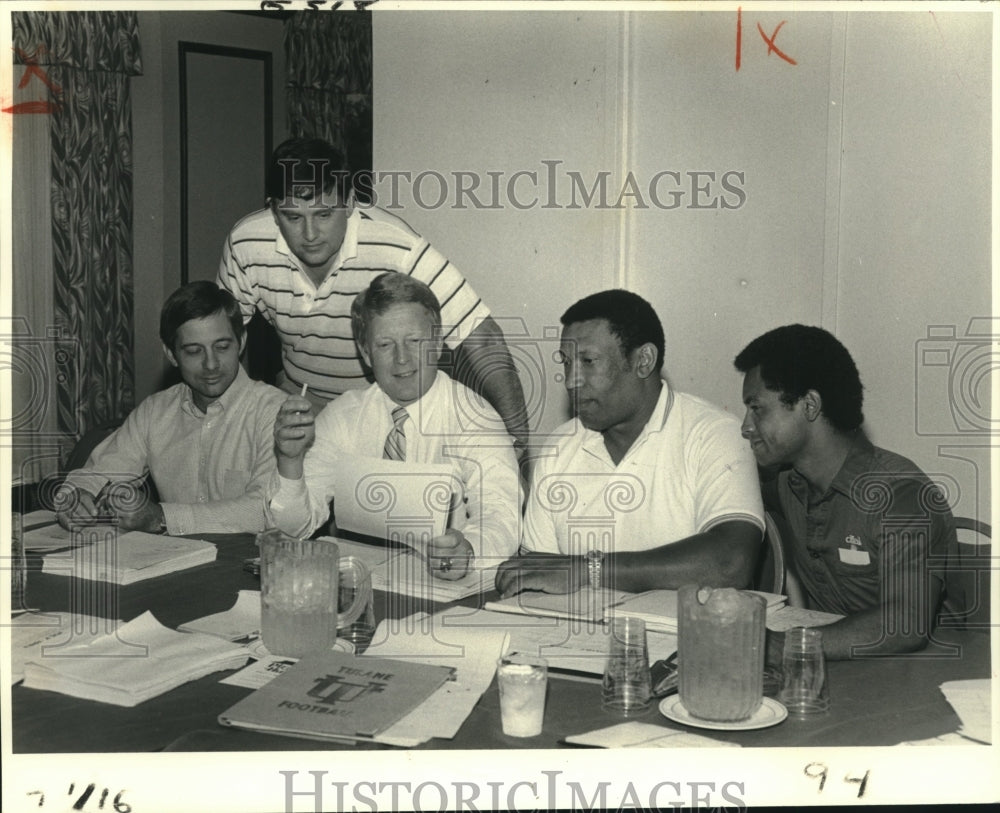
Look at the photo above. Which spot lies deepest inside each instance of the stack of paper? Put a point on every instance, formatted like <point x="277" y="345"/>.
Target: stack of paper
<point x="658" y="608"/>
<point x="784" y="618"/>
<point x="242" y="620"/>
<point x="569" y="645"/>
<point x="971" y="701"/>
<point x="443" y="639"/>
<point x="141" y="660"/>
<point x="404" y="571"/>
<point x="46" y="536"/>
<point x="336" y="695"/>
<point x="125" y="558"/>
<point x="586" y="604"/>
<point x="36" y="519"/>
<point x="42" y="636"/>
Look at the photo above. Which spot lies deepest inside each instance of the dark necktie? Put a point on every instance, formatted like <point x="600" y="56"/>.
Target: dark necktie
<point x="395" y="441"/>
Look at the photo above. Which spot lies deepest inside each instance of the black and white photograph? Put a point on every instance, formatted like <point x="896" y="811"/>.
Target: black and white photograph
<point x="435" y="406"/>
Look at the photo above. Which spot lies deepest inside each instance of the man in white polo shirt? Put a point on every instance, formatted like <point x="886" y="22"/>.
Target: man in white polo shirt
<point x="647" y="487"/>
<point x="301" y="261"/>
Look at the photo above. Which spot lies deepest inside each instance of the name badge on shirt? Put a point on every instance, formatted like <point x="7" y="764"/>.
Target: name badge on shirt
<point x="853" y="556"/>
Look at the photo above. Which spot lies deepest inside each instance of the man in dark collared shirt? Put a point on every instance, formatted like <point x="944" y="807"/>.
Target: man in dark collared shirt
<point x="867" y="533"/>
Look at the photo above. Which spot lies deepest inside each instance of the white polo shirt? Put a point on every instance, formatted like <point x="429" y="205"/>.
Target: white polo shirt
<point x="688" y="470"/>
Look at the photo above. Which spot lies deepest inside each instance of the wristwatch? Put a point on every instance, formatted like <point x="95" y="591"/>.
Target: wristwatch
<point x="595" y="561"/>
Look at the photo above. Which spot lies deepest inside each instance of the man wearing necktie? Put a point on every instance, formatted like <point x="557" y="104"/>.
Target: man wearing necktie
<point x="413" y="413"/>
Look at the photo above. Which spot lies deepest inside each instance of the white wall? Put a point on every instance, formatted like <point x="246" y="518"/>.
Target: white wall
<point x="156" y="131"/>
<point x="914" y="248"/>
<point x="866" y="172"/>
<point x="503" y="92"/>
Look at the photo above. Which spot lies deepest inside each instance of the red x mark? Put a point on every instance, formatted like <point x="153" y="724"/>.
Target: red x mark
<point x="771" y="47"/>
<point x="32" y="69"/>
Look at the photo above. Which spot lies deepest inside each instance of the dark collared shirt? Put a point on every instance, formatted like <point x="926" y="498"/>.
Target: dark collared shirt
<point x="881" y="521"/>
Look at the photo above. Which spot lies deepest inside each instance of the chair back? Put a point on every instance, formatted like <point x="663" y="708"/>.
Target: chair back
<point x="770" y="573"/>
<point x="967" y="577"/>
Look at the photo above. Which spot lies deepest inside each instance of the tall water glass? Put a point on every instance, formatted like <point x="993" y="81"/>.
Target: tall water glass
<point x="803" y="667"/>
<point x="522" y="680"/>
<point x="626" y="690"/>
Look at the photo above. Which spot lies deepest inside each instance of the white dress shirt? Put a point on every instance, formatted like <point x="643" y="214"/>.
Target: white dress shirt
<point x="210" y="468"/>
<point x="449" y="424"/>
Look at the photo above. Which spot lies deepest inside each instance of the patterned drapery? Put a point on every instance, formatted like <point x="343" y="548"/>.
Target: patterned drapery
<point x="328" y="61"/>
<point x="80" y="64"/>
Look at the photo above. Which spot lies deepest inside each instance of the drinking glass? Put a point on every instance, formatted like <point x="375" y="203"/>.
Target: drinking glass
<point x="626" y="688"/>
<point x="803" y="685"/>
<point x="358" y="626"/>
<point x="522" y="681"/>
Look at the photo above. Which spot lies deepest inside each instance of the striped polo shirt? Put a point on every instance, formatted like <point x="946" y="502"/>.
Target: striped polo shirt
<point x="314" y="323"/>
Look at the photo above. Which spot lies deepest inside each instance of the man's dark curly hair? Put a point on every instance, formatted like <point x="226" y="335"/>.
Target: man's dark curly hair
<point x="631" y="319"/>
<point x="794" y="359"/>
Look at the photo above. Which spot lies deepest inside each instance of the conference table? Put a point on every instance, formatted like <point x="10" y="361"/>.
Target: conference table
<point x="874" y="701"/>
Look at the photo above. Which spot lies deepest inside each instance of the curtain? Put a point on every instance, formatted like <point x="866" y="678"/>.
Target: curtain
<point x="79" y="64"/>
<point x="328" y="60"/>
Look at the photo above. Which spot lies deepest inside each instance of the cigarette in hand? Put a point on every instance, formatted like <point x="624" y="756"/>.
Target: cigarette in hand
<point x="303" y="393"/>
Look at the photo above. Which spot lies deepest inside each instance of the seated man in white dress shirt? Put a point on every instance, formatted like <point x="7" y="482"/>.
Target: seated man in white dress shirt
<point x="413" y="412"/>
<point x="647" y="487"/>
<point x="207" y="442"/>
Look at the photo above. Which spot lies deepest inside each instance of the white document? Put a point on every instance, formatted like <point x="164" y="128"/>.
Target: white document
<point x="471" y="651"/>
<point x="571" y="645"/>
<point x="389" y="499"/>
<point x="787" y="617"/>
<point x="48" y="537"/>
<point x="42" y="636"/>
<point x="260" y="672"/>
<point x="242" y="620"/>
<point x="645" y="735"/>
<point x="125" y="558"/>
<point x="585" y="604"/>
<point x="373" y="557"/>
<point x="140" y="660"/>
<point x="404" y="571"/>
<point x="971" y="701"/>
<point x="34" y="519"/>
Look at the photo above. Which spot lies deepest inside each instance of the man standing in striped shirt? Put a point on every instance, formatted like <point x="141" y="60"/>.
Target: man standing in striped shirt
<point x="301" y="261"/>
